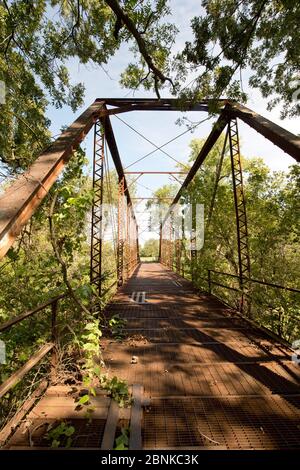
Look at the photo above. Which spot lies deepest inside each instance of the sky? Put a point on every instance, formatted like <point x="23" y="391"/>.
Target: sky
<point x="160" y="127"/>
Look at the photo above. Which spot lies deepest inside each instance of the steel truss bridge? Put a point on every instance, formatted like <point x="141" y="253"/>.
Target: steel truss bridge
<point x="207" y="375"/>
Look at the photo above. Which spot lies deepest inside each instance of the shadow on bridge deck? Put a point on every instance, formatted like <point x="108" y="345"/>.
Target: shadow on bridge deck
<point x="214" y="380"/>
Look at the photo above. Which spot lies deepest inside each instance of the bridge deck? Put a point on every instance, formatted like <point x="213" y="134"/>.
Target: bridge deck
<point x="213" y="379"/>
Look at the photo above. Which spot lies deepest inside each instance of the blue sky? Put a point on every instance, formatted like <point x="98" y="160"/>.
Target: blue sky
<point x="160" y="126"/>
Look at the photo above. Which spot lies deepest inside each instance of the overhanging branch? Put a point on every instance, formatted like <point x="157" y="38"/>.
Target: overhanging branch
<point x="123" y="18"/>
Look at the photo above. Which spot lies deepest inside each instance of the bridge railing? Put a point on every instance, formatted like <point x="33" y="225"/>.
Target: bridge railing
<point x="51" y="346"/>
<point x="276" y="312"/>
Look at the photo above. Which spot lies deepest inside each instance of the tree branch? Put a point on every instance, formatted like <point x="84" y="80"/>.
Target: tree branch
<point x="149" y="19"/>
<point x="127" y="21"/>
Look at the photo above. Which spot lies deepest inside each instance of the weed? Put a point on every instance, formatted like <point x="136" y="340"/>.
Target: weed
<point x="122" y="441"/>
<point x="60" y="436"/>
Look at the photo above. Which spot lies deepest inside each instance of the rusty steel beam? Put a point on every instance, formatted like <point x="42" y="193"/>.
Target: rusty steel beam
<point x="30" y="364"/>
<point x="121" y="231"/>
<point x="123" y="187"/>
<point x="97" y="216"/>
<point x="208" y="144"/>
<point x="22" y="198"/>
<point x="17" y="319"/>
<point x="288" y="142"/>
<point x="240" y="214"/>
<point x="155" y="172"/>
<point x="114" y="151"/>
<point x="164" y="104"/>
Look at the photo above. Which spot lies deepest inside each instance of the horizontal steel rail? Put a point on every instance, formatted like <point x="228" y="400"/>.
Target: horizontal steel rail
<point x="30" y="364"/>
<point x="42" y="352"/>
<point x="6" y="325"/>
<point x="256" y="281"/>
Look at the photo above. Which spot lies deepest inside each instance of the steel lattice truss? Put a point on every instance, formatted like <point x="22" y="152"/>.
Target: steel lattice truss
<point x="240" y="209"/>
<point x="97" y="209"/>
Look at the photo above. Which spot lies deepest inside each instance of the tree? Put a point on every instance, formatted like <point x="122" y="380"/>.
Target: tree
<point x="232" y="36"/>
<point x="36" y="41"/>
<point x="273" y="226"/>
<point x="150" y="248"/>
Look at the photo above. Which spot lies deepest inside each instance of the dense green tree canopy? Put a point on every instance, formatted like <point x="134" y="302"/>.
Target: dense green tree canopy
<point x="150" y="248"/>
<point x="273" y="227"/>
<point x="261" y="35"/>
<point x="36" y="40"/>
<point x="38" y="37"/>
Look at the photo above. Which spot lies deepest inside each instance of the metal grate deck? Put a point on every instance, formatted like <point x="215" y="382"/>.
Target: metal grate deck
<point x="236" y="423"/>
<point x="87" y="434"/>
<point x="215" y="381"/>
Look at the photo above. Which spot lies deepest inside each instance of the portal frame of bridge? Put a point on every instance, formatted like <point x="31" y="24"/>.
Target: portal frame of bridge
<point x="22" y="198"/>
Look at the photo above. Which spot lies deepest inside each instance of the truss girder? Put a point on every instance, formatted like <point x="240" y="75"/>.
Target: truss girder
<point x="97" y="210"/>
<point x="240" y="212"/>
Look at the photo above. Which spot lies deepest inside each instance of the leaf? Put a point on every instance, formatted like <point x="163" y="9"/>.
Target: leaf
<point x="55" y="443"/>
<point x="69" y="442"/>
<point x="12" y="254"/>
<point x="120" y="447"/>
<point x="91" y="326"/>
<point x="89" y="347"/>
<point x="69" y="431"/>
<point x="91" y="337"/>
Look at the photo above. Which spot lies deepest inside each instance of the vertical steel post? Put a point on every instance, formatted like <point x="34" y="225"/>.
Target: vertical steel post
<point x="193" y="240"/>
<point x="163" y="247"/>
<point x="209" y="280"/>
<point x="178" y="245"/>
<point x="241" y="216"/>
<point x="120" y="248"/>
<point x="160" y="242"/>
<point x="178" y="255"/>
<point x="127" y="242"/>
<point x="54" y="339"/>
<point x="171" y="261"/>
<point x="137" y="247"/>
<point x="97" y="214"/>
<point x="183" y="241"/>
<point x="130" y="238"/>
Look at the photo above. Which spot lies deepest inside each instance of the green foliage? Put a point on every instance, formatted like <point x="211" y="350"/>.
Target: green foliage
<point x="150" y="248"/>
<point x="116" y="325"/>
<point x="90" y="343"/>
<point x="31" y="274"/>
<point x="93" y="366"/>
<point x="38" y="38"/>
<point x="60" y="436"/>
<point x="122" y="441"/>
<point x="118" y="390"/>
<point x="231" y="36"/>
<point x="274" y="242"/>
<point x="163" y="194"/>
